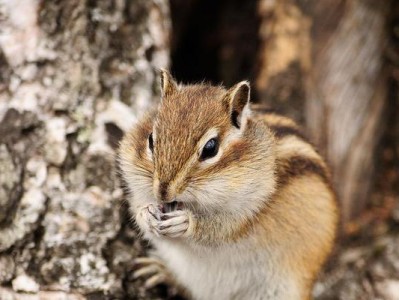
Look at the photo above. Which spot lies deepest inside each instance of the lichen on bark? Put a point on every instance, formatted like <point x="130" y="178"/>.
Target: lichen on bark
<point x="73" y="74"/>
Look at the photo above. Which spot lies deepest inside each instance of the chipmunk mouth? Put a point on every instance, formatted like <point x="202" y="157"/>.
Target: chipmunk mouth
<point x="171" y="206"/>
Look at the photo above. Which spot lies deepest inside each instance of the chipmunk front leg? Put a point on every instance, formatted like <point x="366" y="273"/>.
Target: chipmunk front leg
<point x="153" y="270"/>
<point x="173" y="224"/>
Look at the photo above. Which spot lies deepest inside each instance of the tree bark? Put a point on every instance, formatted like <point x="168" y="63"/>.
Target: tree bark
<point x="347" y="98"/>
<point x="325" y="58"/>
<point x="73" y="76"/>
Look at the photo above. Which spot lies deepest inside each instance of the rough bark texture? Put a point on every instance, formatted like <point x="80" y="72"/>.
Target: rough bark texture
<point x="368" y="271"/>
<point x="325" y="58"/>
<point x="347" y="97"/>
<point x="73" y="75"/>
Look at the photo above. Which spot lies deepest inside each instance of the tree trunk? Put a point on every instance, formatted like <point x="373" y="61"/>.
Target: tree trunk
<point x="347" y="98"/>
<point x="325" y="58"/>
<point x="73" y="76"/>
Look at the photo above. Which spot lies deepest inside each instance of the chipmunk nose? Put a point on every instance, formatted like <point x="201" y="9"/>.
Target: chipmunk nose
<point x="163" y="193"/>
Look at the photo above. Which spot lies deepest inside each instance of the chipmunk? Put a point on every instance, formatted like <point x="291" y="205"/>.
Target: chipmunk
<point x="237" y="204"/>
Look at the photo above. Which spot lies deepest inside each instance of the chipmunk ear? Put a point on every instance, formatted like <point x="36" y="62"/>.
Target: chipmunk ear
<point x="237" y="99"/>
<point x="168" y="84"/>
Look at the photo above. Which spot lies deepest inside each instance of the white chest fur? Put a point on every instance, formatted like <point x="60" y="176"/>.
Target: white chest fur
<point x="237" y="271"/>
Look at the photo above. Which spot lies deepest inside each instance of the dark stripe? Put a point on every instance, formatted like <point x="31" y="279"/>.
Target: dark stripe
<point x="296" y="166"/>
<point x="281" y="131"/>
<point x="163" y="190"/>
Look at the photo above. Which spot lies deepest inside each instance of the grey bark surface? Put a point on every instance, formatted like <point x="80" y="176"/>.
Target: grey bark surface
<point x="73" y="76"/>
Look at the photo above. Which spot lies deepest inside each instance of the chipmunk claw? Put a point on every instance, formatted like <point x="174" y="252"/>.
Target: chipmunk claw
<point x="153" y="271"/>
<point x="171" y="224"/>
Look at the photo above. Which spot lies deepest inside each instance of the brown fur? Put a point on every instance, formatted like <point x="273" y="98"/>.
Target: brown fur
<point x="178" y="129"/>
<point x="283" y="224"/>
<point x="304" y="205"/>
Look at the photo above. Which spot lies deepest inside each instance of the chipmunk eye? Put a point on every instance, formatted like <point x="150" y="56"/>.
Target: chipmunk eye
<point x="151" y="142"/>
<point x="210" y="149"/>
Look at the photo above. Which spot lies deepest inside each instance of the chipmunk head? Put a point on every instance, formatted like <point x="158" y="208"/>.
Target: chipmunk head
<point x="200" y="148"/>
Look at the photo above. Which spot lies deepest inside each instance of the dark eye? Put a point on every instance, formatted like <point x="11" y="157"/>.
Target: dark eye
<point x="210" y="149"/>
<point x="151" y="142"/>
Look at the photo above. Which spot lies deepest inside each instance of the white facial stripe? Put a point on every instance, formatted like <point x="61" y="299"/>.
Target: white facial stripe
<point x="148" y="151"/>
<point x="233" y="135"/>
<point x="154" y="135"/>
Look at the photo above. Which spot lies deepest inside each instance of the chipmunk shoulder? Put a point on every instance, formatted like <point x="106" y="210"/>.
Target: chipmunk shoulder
<point x="236" y="202"/>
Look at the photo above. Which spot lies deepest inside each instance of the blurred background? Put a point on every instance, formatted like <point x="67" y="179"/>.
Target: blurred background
<point x="76" y="74"/>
